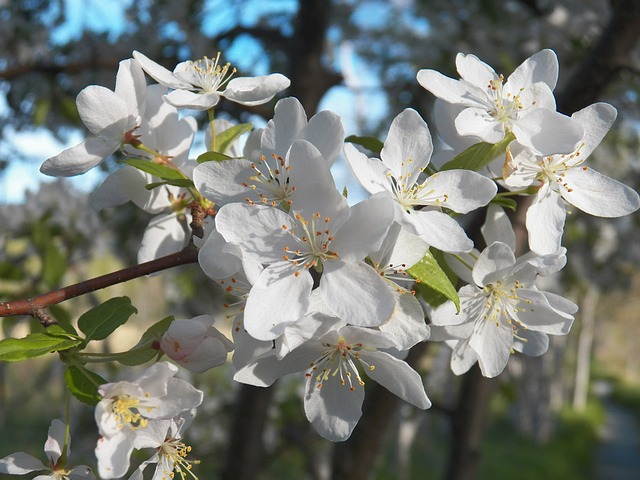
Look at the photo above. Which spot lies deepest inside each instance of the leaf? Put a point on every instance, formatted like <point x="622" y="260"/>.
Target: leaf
<point x="178" y="182"/>
<point x="370" y="143"/>
<point x="36" y="344"/>
<point x="479" y="155"/>
<point x="155" y="169"/>
<point x="54" y="265"/>
<point x="213" y="157"/>
<point x="225" y="139"/>
<point x="99" y="322"/>
<point x="149" y="344"/>
<point x="83" y="384"/>
<point x="505" y="202"/>
<point x="430" y="274"/>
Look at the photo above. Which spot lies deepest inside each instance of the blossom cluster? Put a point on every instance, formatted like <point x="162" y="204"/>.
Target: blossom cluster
<point x="323" y="287"/>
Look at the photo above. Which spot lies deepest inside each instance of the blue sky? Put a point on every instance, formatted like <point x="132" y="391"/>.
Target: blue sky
<point x="100" y="16"/>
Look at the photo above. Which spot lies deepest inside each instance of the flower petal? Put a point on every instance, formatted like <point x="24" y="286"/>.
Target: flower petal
<point x="277" y="299"/>
<point x="477" y="122"/>
<point x="255" y="90"/>
<point x="159" y="73"/>
<point x="597" y="194"/>
<point x="81" y="158"/>
<point x="461" y="190"/>
<point x="20" y="463"/>
<point x="494" y="259"/>
<point x="547" y="132"/>
<point x="492" y="343"/>
<point x="370" y="172"/>
<point x="541" y="67"/>
<point x="545" y="222"/>
<point x="165" y="234"/>
<point x="397" y="377"/>
<point x="195" y="101"/>
<point x="450" y="90"/>
<point x="440" y="230"/>
<point x="333" y="409"/>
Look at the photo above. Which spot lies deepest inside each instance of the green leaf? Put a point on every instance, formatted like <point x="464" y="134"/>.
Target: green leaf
<point x="155" y="169"/>
<point x="137" y="356"/>
<point x="370" y="143"/>
<point x="213" y="157"/>
<point x="505" y="202"/>
<point x="431" y="275"/>
<point x="54" y="265"/>
<point x="479" y="155"/>
<point x="99" y="322"/>
<point x="148" y="346"/>
<point x="36" y="344"/>
<point x="225" y="139"/>
<point x="178" y="182"/>
<point x="83" y="384"/>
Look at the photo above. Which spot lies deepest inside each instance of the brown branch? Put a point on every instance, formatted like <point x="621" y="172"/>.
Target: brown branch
<point x="33" y="306"/>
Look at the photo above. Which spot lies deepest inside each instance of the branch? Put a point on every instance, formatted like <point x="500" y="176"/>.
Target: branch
<point x="55" y="68"/>
<point x="34" y="306"/>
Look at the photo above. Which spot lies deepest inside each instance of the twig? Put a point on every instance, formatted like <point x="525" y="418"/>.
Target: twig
<point x="34" y="306"/>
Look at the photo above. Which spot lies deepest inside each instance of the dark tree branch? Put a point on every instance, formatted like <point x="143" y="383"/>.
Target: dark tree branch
<point x="34" y="306"/>
<point x="606" y="59"/>
<point x="56" y="68"/>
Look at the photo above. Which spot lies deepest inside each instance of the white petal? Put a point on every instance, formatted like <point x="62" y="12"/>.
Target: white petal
<point x="463" y="357"/>
<point x="440" y="230"/>
<point x="110" y="193"/>
<point x="99" y="108"/>
<point x="474" y="70"/>
<point x="255" y="90"/>
<point x="365" y="229"/>
<point x="408" y="147"/>
<point x="370" y="172"/>
<point x="597" y="194"/>
<point x="596" y="120"/>
<point x="165" y="234"/>
<point x="495" y="258"/>
<point x="537" y="314"/>
<point x="560" y="304"/>
<point x="131" y="85"/>
<point x="195" y="101"/>
<point x="462" y="190"/>
<point x="545" y="222"/>
<point x="81" y="158"/>
<point x="257" y="228"/>
<point x="497" y="227"/>
<point x="20" y="463"/>
<point x="541" y="67"/>
<point x="450" y="90"/>
<point x="492" y="343"/>
<point x="114" y="455"/>
<point x="219" y="259"/>
<point x="326" y="132"/>
<point x="531" y="343"/>
<point x="159" y="73"/>
<point x="333" y="409"/>
<point x="397" y="377"/>
<point x="547" y="132"/>
<point x="222" y="182"/>
<point x="277" y="299"/>
<point x="55" y="440"/>
<point x="406" y="326"/>
<point x="477" y="122"/>
<point x="289" y="118"/>
<point x="356" y="293"/>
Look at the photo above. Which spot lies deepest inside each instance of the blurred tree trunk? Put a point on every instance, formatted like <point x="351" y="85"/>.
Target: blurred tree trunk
<point x="585" y="343"/>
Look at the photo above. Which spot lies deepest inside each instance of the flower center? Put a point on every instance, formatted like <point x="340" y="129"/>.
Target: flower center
<point x="410" y="194"/>
<point x="173" y="459"/>
<point x="554" y="167"/>
<point x="209" y="75"/>
<point x="271" y="183"/>
<point x="502" y="303"/>
<point x="313" y="243"/>
<point x="339" y="360"/>
<point x="127" y="412"/>
<point x="506" y="107"/>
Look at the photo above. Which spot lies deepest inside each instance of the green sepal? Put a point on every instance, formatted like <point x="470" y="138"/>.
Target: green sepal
<point x="155" y="169"/>
<point x="225" y="139"/>
<point x="370" y="143"/>
<point x="433" y="280"/>
<point x="213" y="157"/>
<point x="99" y="322"/>
<point x="36" y="344"/>
<point x="83" y="384"/>
<point x="505" y="202"/>
<point x="479" y="155"/>
<point x="178" y="182"/>
<point x="148" y="346"/>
